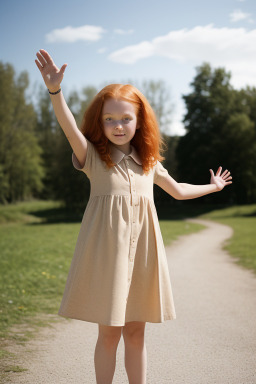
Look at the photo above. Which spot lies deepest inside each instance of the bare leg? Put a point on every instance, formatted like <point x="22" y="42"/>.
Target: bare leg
<point x="105" y="353"/>
<point x="135" y="352"/>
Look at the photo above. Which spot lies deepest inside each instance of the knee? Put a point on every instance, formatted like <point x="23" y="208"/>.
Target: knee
<point x="109" y="337"/>
<point x="134" y="337"/>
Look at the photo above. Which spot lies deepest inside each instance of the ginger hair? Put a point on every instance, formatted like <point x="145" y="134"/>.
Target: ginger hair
<point x="147" y="140"/>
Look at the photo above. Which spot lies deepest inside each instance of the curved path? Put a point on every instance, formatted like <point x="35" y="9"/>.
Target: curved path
<point x="212" y="341"/>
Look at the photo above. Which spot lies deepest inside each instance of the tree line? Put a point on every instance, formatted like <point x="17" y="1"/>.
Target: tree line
<point x="220" y="123"/>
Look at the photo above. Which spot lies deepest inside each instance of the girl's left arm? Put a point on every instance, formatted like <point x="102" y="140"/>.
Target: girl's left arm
<point x="217" y="183"/>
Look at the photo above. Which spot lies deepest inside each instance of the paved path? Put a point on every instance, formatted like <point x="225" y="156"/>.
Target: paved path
<point x="213" y="339"/>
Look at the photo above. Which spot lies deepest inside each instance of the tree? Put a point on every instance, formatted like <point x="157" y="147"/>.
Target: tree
<point x="21" y="169"/>
<point x="71" y="186"/>
<point x="159" y="98"/>
<point x="239" y="133"/>
<point x="47" y="133"/>
<point x="219" y="132"/>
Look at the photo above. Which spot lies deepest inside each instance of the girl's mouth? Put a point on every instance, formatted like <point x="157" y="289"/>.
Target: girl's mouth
<point x="121" y="134"/>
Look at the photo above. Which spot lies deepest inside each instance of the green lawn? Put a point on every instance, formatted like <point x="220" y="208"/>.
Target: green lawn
<point x="37" y="241"/>
<point x="242" y="246"/>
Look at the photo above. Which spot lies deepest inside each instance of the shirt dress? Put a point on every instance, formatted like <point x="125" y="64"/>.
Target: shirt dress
<point x="119" y="271"/>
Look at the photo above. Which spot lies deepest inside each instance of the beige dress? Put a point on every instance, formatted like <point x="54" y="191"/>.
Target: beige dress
<point x="119" y="271"/>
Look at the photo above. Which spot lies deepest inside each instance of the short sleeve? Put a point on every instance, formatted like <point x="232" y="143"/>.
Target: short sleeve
<point x="89" y="161"/>
<point x="160" y="174"/>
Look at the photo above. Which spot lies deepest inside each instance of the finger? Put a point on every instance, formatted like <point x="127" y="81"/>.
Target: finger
<point x="219" y="171"/>
<point x="225" y="176"/>
<point x="225" y="173"/>
<point x="62" y="70"/>
<point x="229" y="182"/>
<point x="39" y="66"/>
<point x="41" y="59"/>
<point x="46" y="56"/>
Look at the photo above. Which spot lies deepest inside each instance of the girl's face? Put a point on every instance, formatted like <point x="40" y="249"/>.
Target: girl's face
<point x="119" y="119"/>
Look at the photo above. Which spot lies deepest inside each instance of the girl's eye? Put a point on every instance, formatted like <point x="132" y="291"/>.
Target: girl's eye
<point x="127" y="118"/>
<point x="108" y="119"/>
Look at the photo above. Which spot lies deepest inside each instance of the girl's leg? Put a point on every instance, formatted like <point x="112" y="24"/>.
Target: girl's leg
<point x="105" y="353"/>
<point x="135" y="352"/>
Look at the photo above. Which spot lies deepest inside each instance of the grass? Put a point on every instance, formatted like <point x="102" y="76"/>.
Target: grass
<point x="242" y="219"/>
<point x="37" y="241"/>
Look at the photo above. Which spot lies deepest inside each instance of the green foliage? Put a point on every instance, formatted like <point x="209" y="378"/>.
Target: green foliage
<point x="69" y="185"/>
<point x="47" y="130"/>
<point x="61" y="181"/>
<point x="220" y="132"/>
<point x="242" y="245"/>
<point x="21" y="169"/>
<point x="170" y="163"/>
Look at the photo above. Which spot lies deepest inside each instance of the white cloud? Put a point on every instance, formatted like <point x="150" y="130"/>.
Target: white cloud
<point x="102" y="50"/>
<point x="71" y="34"/>
<point x="133" y="53"/>
<point x="238" y="15"/>
<point x="233" y="48"/>
<point x="123" y="32"/>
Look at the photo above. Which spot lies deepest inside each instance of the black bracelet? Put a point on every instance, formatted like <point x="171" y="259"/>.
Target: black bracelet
<point x="54" y="93"/>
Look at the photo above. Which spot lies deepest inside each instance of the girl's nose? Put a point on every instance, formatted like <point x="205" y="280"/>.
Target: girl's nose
<point x="118" y="124"/>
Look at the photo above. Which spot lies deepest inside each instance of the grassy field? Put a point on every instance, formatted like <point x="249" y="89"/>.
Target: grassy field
<point x="37" y="241"/>
<point x="242" y="219"/>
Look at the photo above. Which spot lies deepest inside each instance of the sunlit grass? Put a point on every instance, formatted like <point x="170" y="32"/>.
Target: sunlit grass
<point x="242" y="246"/>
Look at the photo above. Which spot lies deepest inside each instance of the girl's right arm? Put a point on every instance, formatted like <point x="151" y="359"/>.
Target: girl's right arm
<point x="53" y="77"/>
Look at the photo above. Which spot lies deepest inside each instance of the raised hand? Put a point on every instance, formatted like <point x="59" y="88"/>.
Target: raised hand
<point x="51" y="74"/>
<point x="220" y="180"/>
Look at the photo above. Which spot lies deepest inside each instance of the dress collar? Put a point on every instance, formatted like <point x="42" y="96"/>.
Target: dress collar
<point x="117" y="155"/>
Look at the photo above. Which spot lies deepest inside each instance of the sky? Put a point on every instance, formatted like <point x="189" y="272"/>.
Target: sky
<point x="110" y="41"/>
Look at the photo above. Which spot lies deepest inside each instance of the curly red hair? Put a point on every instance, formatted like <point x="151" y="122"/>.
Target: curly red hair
<point x="147" y="140"/>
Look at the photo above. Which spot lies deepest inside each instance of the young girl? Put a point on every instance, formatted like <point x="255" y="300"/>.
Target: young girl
<point x="119" y="275"/>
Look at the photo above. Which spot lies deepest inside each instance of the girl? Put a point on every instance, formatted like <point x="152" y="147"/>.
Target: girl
<point x="119" y="275"/>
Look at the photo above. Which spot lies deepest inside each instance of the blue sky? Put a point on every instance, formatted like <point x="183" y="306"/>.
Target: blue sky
<point x="114" y="41"/>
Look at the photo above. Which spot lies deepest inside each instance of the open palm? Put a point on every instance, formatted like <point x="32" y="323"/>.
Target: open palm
<point x="220" y="180"/>
<point x="51" y="74"/>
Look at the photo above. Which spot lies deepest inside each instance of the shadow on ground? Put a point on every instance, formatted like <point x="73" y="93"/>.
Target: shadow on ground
<point x="186" y="209"/>
<point x="58" y="215"/>
<point x="179" y="210"/>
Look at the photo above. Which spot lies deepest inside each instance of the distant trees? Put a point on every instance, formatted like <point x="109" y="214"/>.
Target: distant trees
<point x="159" y="98"/>
<point x="220" y="123"/>
<point x="21" y="168"/>
<point x="69" y="185"/>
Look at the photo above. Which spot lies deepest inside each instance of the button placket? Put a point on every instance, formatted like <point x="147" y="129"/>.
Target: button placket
<point x="134" y="204"/>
